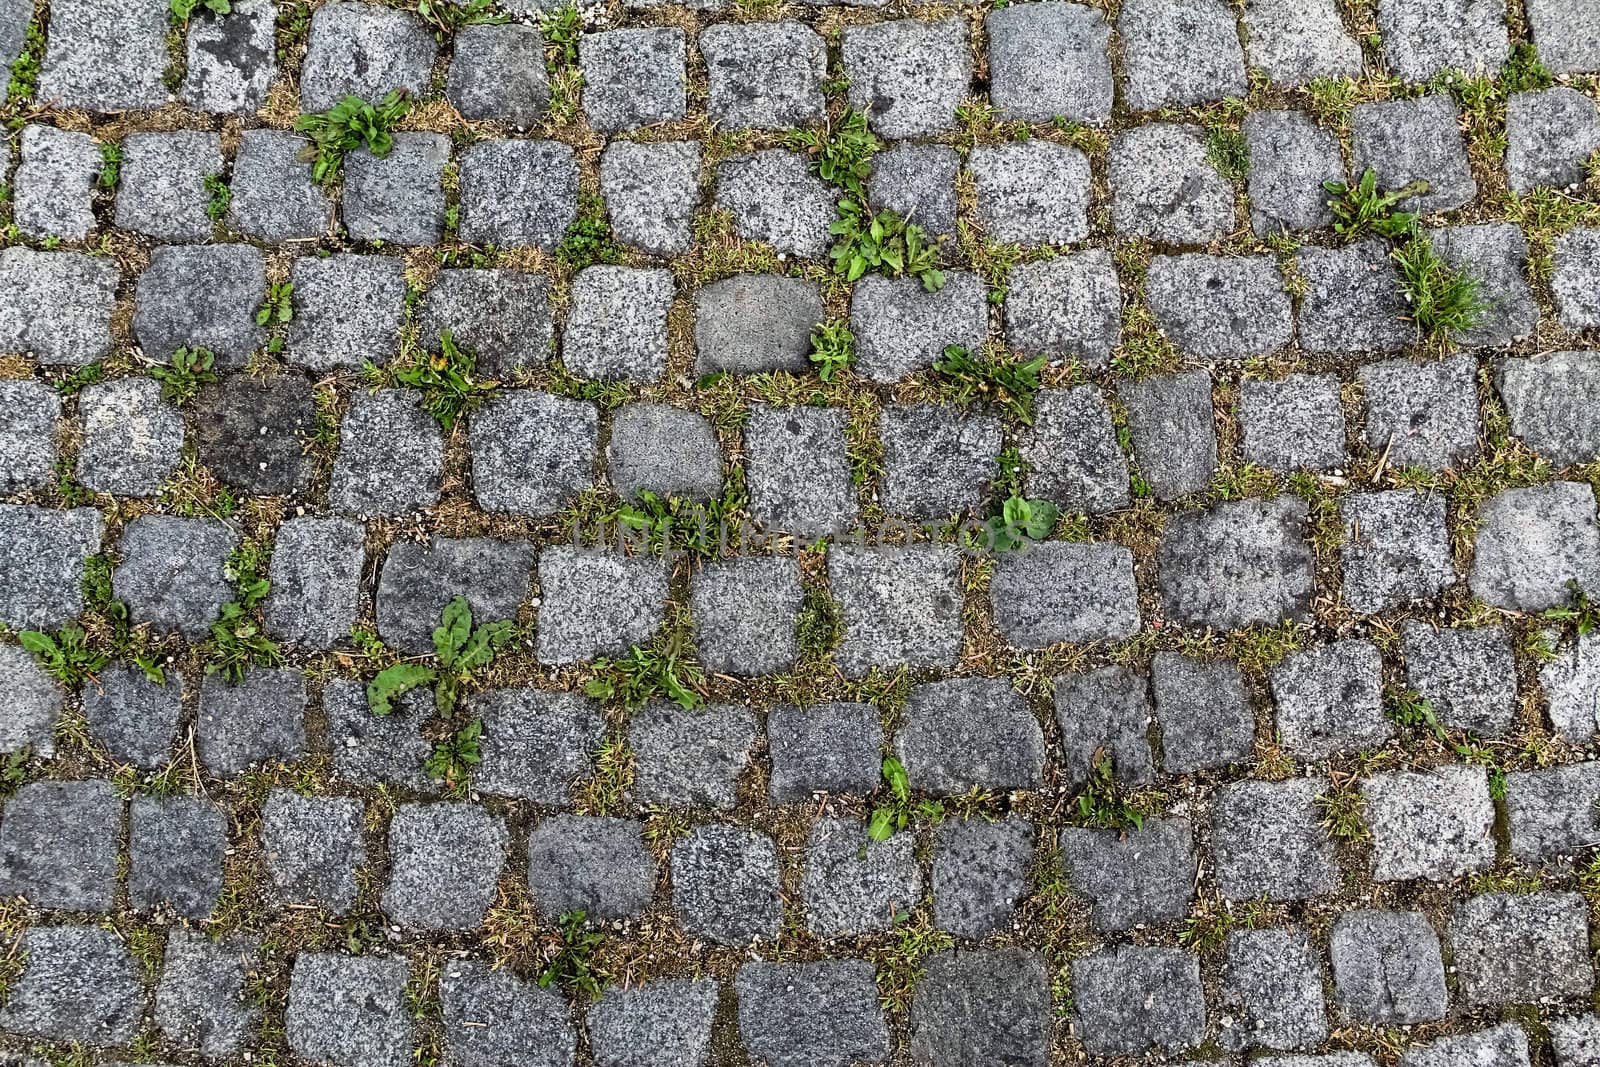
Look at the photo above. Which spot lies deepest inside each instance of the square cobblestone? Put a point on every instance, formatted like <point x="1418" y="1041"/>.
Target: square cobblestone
<point x="1571" y="684"/>
<point x="823" y="748"/>
<point x="824" y="1012"/>
<point x="444" y="864"/>
<point x="132" y="440"/>
<point x="1072" y="449"/>
<point x="1143" y="877"/>
<point x="1132" y="1001"/>
<point x="1329" y="699"/>
<point x="982" y="871"/>
<point x="532" y="453"/>
<point x="1272" y="992"/>
<point x="517" y="193"/>
<point x="1505" y="1044"/>
<point x="633" y="78"/>
<point x="176" y="847"/>
<point x="982" y="1006"/>
<point x="597" y="604"/>
<point x="1412" y="140"/>
<point x="419" y="580"/>
<point x="29" y="413"/>
<point x="598" y="866"/>
<point x="173" y="572"/>
<point x="231" y="61"/>
<point x="364" y="50"/>
<point x="617" y="324"/>
<point x="901" y="328"/>
<point x="1237" y="564"/>
<point x="1576" y="265"/>
<point x="664" y="450"/>
<point x="651" y="193"/>
<point x="1422" y="38"/>
<point x="1422" y="414"/>
<point x="1106" y="712"/>
<point x="257" y="721"/>
<point x="918" y="181"/>
<point x="1553" y="400"/>
<point x="399" y="197"/>
<point x="764" y="75"/>
<point x="909" y="75"/>
<point x="1293" y="424"/>
<point x="274" y="198"/>
<point x="1396" y="548"/>
<point x="1549" y="134"/>
<point x="348" y="1011"/>
<point x="1353" y="301"/>
<point x="1268" y="840"/>
<point x="798" y="471"/>
<point x="497" y="72"/>
<point x="203" y="296"/>
<point x="348" y="310"/>
<point x="57" y="306"/>
<point x="162" y="187"/>
<point x="1298" y="41"/>
<point x="1057" y="591"/>
<point x="1177" y="53"/>
<point x="725" y="885"/>
<point x="970" y="733"/>
<point x="755" y="322"/>
<point x="202" y="1004"/>
<point x="898" y="605"/>
<point x="1031" y="192"/>
<point x="937" y="460"/>
<point x="501" y="316"/>
<point x="316" y="582"/>
<point x="373" y="749"/>
<point x="1050" y="60"/>
<point x="667" y="1020"/>
<point x="853" y="885"/>
<point x="1067" y="307"/>
<point x="1163" y="186"/>
<point x="1172" y="429"/>
<point x="1566" y="33"/>
<point x="1290" y="159"/>
<point x="77" y="984"/>
<point x="390" y="459"/>
<point x="1205" y="713"/>
<point x="1521" y="949"/>
<point x="52" y="189"/>
<point x="1218" y="307"/>
<point x="690" y="759"/>
<point x="311" y="847"/>
<point x="1435" y="824"/>
<point x="745" y="613"/>
<point x="59" y="844"/>
<point x="536" y="745"/>
<point x="1533" y="543"/>
<point x="1496" y="255"/>
<point x="252" y="433"/>
<point x="1387" y="968"/>
<point x="36" y="700"/>
<point x="1468" y="675"/>
<point x="493" y="1017"/>
<point x="105" y="55"/>
<point x="774" y="197"/>
<point x="1551" y="814"/>
<point x="1576" y="1040"/>
<point x="136" y="719"/>
<point x="45" y="553"/>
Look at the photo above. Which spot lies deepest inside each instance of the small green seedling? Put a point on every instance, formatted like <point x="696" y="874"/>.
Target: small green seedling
<point x="833" y="348"/>
<point x="447" y="16"/>
<point x="1584" y="616"/>
<point x="843" y="152"/>
<point x="183" y="9"/>
<point x="110" y="165"/>
<point x="897" y="812"/>
<point x="573" y="964"/>
<point x="1101" y="803"/>
<point x="1411" y="710"/>
<point x="88" y="374"/>
<point x="589" y="239"/>
<point x="1020" y="523"/>
<point x="562" y="29"/>
<point x="348" y="125"/>
<point x="221" y="197"/>
<point x="645" y="673"/>
<point x="882" y="242"/>
<point x="1010" y="383"/>
<point x="65" y="656"/>
<point x="448" y="382"/>
<point x="452" y="760"/>
<point x="1361" y="209"/>
<point x="278" y="307"/>
<point x="1443" y="300"/>
<point x="182" y="378"/>
<point x="14" y="770"/>
<point x="677" y="522"/>
<point x="461" y="651"/>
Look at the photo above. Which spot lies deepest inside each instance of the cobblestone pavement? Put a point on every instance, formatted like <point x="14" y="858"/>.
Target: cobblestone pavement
<point x="761" y="532"/>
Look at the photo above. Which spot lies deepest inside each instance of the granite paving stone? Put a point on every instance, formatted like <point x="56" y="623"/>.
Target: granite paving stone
<point x="725" y="884"/>
<point x="853" y="885"/>
<point x="1104" y="713"/>
<point x="970" y="733"/>
<point x="1414" y="140"/>
<point x="1215" y="307"/>
<point x="46" y="553"/>
<point x="230" y="62"/>
<point x="1328" y="699"/>
<point x="1272" y="992"/>
<point x="1467" y="675"/>
<point x="797" y="468"/>
<point x="350" y="1011"/>
<point x="532" y="453"/>
<point x="910" y="75"/>
<point x="253" y="433"/>
<point x="53" y="186"/>
<point x="201" y="1002"/>
<point x="596" y="865"/>
<point x="201" y="295"/>
<point x="755" y="322"/>
<point x="373" y="749"/>
<point x="1387" y="968"/>
<point x="132" y="438"/>
<point x="57" y="306"/>
<point x="1575" y="1040"/>
<point x="35" y="704"/>
<point x="1172" y="429"/>
<point x="364" y="50"/>
<point x="59" y="844"/>
<point x="501" y="316"/>
<point x="823" y="748"/>
<point x="133" y="716"/>
<point x="1496" y="255"/>
<point x="390" y="459"/>
<point x="825" y="1012"/>
<point x="536" y="745"/>
<point x="901" y="328"/>
<point x="274" y="198"/>
<point x="517" y="193"/>
<point x="1050" y="59"/>
<point x="1066" y="307"/>
<point x="765" y="75"/>
<point x="497" y="72"/>
<point x="1058" y="591"/>
<point x="597" y="603"/>
<point x="1422" y="39"/>
<point x="1576" y="262"/>
<point x="29" y="413"/>
<point x="78" y="984"/>
<point x="1505" y="1045"/>
<point x="690" y="759"/>
<point x="105" y="56"/>
<point x="1565" y="32"/>
<point x="1268" y="839"/>
<point x="1177" y="53"/>
<point x="1396" y="548"/>
<point x="311" y="847"/>
<point x="660" y="449"/>
<point x="398" y="197"/>
<point x="176" y="847"/>
<point x="633" y="77"/>
<point x="162" y="190"/>
<point x="1551" y="813"/>
<point x="1435" y="824"/>
<point x="651" y="192"/>
<point x="1353" y="300"/>
<point x="256" y="721"/>
<point x="746" y="612"/>
<point x="348" y="310"/>
<point x="173" y="572"/>
<point x="982" y="1006"/>
<point x="1142" y="877"/>
<point x="1549" y="135"/>
<point x="1290" y="159"/>
<point x="1130" y="1000"/>
<point x="316" y="571"/>
<point x="1553" y="402"/>
<point x="981" y="873"/>
<point x="617" y="324"/>
<point x="444" y="863"/>
<point x="1031" y="192"/>
<point x="1164" y="187"/>
<point x="1521" y="949"/>
<point x="496" y="1017"/>
<point x="1204" y="710"/>
<point x="1422" y="414"/>
<point x="666" y="1021"/>
<point x="1072" y="452"/>
<point x="1533" y="543"/>
<point x="417" y="581"/>
<point x="1298" y="41"/>
<point x="1237" y="564"/>
<point x="773" y="197"/>
<point x="918" y="182"/>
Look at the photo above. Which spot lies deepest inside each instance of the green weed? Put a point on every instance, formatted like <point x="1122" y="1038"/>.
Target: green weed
<point x="1229" y="152"/>
<point x="842" y="152"/>
<point x="460" y="649"/>
<point x="1344" y="813"/>
<point x="237" y="641"/>
<point x="447" y="16"/>
<point x="900" y="964"/>
<point x="833" y="348"/>
<point x="1583" y="615"/>
<point x="1443" y="300"/>
<point x="679" y="523"/>
<point x="347" y="126"/>
<point x="1101" y="802"/>
<point x="14" y="770"/>
<point x="278" y="307"/>
<point x="25" y="68"/>
<point x="182" y="9"/>
<point x="1021" y="522"/>
<point x="66" y="656"/>
<point x="882" y="242"/>
<point x="899" y="808"/>
<point x="1008" y="382"/>
<point x="110" y="165"/>
<point x="663" y="669"/>
<point x="588" y="239"/>
<point x="89" y="374"/>
<point x="221" y="197"/>
<point x="182" y="378"/>
<point x="1361" y="208"/>
<point x="452" y="759"/>
<point x="1412" y="711"/>
<point x="820" y="625"/>
<point x="573" y="964"/>
<point x="448" y="382"/>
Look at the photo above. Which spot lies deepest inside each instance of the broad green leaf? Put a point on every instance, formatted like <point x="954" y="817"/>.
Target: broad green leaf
<point x="1041" y="519"/>
<point x="394" y="682"/>
<point x="485" y="641"/>
<point x="453" y="631"/>
<point x="895" y="774"/>
<point x="39" y="643"/>
<point x="881" y="828"/>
